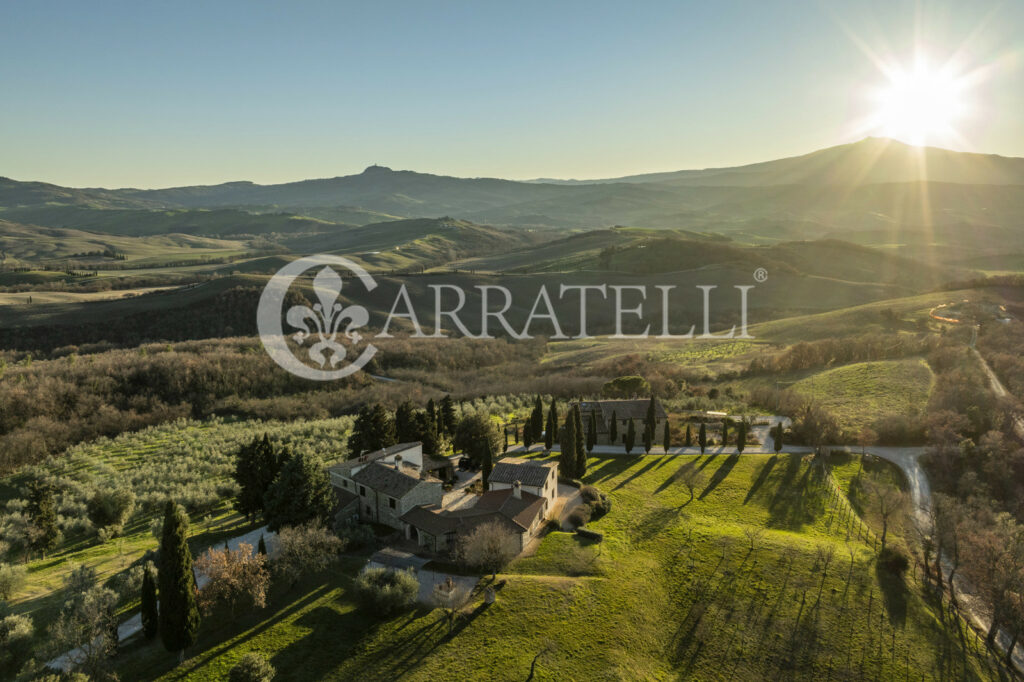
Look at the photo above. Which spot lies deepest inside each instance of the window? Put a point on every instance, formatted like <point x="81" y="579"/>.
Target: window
<point x="344" y="483"/>
<point x="391" y="502"/>
<point x="362" y="491"/>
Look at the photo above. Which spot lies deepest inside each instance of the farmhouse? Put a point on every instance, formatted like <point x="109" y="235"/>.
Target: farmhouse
<point x="536" y="478"/>
<point x="385" y="484"/>
<point x="623" y="411"/>
<point x="520" y="512"/>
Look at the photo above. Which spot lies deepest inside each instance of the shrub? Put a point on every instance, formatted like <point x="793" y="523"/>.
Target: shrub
<point x="252" y="668"/>
<point x="893" y="560"/>
<point x="383" y="592"/>
<point x="304" y="550"/>
<point x="111" y="507"/>
<point x="12" y="579"/>
<point x="600" y="503"/>
<point x="580" y="515"/>
<point x="15" y="642"/>
<point x="355" y="535"/>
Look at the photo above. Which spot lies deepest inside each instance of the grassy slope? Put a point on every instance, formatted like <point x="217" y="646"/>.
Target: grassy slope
<point x="861" y="392"/>
<point x="672" y="593"/>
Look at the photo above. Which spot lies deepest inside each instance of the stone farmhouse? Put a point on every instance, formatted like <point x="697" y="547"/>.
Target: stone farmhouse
<point x="536" y="478"/>
<point x="623" y="411"/>
<point x="438" y="531"/>
<point x="382" y="486"/>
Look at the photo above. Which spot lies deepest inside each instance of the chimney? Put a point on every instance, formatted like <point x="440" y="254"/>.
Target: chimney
<point x="398" y="462"/>
<point x="517" y="490"/>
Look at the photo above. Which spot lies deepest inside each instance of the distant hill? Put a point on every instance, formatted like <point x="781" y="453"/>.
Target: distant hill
<point x="860" y="186"/>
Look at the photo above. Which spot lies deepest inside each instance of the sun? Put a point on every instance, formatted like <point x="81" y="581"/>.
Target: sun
<point x="921" y="104"/>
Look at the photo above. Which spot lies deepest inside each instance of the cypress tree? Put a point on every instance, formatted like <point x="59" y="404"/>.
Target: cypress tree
<point x="778" y="438"/>
<point x="725" y="431"/>
<point x="702" y="438"/>
<point x="648" y="439"/>
<point x="666" y="438"/>
<point x="592" y="432"/>
<point x="741" y="437"/>
<point x="613" y="429"/>
<point x="689" y="436"/>
<point x="447" y="424"/>
<point x="504" y="448"/>
<point x="567" y="457"/>
<point x="552" y="426"/>
<point x="651" y="422"/>
<point x="262" y="546"/>
<point x="487" y="465"/>
<point x="537" y="420"/>
<point x="515" y="432"/>
<point x="630" y="437"/>
<point x="581" y="441"/>
<point x="179" y="613"/>
<point x="150" y="618"/>
<point x="432" y="413"/>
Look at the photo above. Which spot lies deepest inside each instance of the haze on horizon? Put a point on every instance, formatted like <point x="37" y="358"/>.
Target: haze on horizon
<point x="129" y="95"/>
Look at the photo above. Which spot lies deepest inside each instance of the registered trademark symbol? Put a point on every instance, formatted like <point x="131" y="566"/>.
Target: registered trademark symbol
<point x="760" y="275"/>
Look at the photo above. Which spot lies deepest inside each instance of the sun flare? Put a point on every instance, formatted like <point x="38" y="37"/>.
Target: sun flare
<point x="920" y="105"/>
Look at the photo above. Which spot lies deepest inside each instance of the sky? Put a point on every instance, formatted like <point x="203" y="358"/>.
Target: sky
<point x="163" y="94"/>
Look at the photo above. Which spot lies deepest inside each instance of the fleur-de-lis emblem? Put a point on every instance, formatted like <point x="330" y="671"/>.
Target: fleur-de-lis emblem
<point x="323" y="322"/>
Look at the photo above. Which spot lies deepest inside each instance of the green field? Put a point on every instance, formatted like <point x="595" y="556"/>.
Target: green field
<point x="673" y="592"/>
<point x="860" y="393"/>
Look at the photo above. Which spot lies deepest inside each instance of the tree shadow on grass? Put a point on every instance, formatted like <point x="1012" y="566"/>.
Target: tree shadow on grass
<point x="894" y="595"/>
<point x="762" y="476"/>
<point x="653" y="524"/>
<point x="796" y="502"/>
<point x="719" y="475"/>
<point x="610" y="467"/>
<point x="676" y="476"/>
<point x="638" y="473"/>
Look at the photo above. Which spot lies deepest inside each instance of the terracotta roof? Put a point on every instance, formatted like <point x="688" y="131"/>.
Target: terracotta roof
<point x="384" y="478"/>
<point x="510" y="470"/>
<point x="499" y="506"/>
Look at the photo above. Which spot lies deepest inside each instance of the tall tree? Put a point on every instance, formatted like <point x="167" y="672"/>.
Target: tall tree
<point x="473" y="430"/>
<point x="504" y="446"/>
<point x="689" y="436"/>
<point x="150" y="618"/>
<point x="301" y="494"/>
<point x="42" y="511"/>
<point x="702" y="437"/>
<point x="373" y="430"/>
<point x="591" y="432"/>
<point x="613" y="429"/>
<point x="651" y="419"/>
<point x="581" y="441"/>
<point x="567" y="457"/>
<point x="648" y="438"/>
<point x="725" y="431"/>
<point x="426" y="432"/>
<point x="256" y="467"/>
<point x="552" y="425"/>
<point x="179" y="613"/>
<point x="487" y="466"/>
<point x="741" y="437"/>
<point x="630" y="437"/>
<point x="777" y="441"/>
<point x="666" y="438"/>
<point x="537" y="420"/>
<point x="447" y="419"/>
<point x="405" y="425"/>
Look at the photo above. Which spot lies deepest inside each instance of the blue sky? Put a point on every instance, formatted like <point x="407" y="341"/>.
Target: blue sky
<point x="159" y="94"/>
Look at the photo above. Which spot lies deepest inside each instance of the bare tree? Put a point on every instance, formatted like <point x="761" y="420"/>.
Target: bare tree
<point x="824" y="554"/>
<point x="488" y="547"/>
<point x="86" y="631"/>
<point x="996" y="569"/>
<point x="235" y="577"/>
<point x="755" y="534"/>
<point x="950" y="517"/>
<point x="888" y="500"/>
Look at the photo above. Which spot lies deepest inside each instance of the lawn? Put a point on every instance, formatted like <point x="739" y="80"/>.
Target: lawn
<point x="674" y="592"/>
